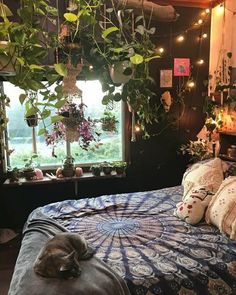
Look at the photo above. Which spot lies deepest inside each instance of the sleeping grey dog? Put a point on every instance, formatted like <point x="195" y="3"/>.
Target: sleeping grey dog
<point x="60" y="256"/>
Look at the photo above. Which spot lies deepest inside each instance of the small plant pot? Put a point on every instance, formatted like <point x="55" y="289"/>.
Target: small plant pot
<point x="96" y="171"/>
<point x="29" y="173"/>
<point x="13" y="175"/>
<point x="107" y="170"/>
<point x="120" y="170"/>
<point x="68" y="171"/>
<point x="32" y="121"/>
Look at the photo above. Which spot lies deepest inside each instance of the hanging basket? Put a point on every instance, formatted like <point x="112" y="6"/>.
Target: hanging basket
<point x="32" y="121"/>
<point x="71" y="131"/>
<point x="69" y="81"/>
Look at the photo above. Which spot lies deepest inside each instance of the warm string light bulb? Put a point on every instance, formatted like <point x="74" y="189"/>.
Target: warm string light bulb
<point x="200" y="21"/>
<point x="207" y="10"/>
<point x="191" y="84"/>
<point x="180" y="38"/>
<point x="200" y="61"/>
<point x="204" y="36"/>
<point x="161" y="49"/>
<point x="137" y="128"/>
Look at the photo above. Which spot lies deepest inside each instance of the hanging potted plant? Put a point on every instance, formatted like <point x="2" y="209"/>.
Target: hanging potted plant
<point x="109" y="122"/>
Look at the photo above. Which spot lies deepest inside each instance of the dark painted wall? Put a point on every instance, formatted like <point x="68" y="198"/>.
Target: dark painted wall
<point x="155" y="163"/>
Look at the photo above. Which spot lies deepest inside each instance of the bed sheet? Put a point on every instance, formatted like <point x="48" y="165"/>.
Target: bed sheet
<point x="137" y="235"/>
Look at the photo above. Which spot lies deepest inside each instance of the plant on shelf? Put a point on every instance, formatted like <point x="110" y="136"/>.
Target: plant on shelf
<point x="120" y="167"/>
<point x="107" y="168"/>
<point x="13" y="173"/>
<point x="28" y="170"/>
<point x="68" y="169"/>
<point x="197" y="150"/>
<point x="96" y="169"/>
<point x="222" y="94"/>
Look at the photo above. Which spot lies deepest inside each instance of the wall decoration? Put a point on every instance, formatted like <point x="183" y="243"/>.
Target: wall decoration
<point x="166" y="78"/>
<point x="181" y="66"/>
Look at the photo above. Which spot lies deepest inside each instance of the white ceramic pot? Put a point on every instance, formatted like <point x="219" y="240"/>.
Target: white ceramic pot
<point x="117" y="72"/>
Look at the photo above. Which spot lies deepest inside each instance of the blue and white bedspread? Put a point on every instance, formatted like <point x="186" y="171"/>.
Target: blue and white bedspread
<point x="156" y="253"/>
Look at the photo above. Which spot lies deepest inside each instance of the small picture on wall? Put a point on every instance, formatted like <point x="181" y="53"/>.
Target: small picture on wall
<point x="181" y="66"/>
<point x="166" y="78"/>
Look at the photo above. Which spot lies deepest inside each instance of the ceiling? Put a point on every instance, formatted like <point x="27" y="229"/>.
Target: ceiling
<point x="189" y="3"/>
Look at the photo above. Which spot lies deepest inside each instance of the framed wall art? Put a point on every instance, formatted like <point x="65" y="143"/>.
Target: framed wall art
<point x="181" y="66"/>
<point x="166" y="78"/>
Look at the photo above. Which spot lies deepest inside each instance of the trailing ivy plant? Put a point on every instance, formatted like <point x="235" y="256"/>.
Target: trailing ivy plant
<point x="91" y="35"/>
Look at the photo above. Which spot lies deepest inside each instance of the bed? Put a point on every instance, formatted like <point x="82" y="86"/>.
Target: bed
<point x="138" y="237"/>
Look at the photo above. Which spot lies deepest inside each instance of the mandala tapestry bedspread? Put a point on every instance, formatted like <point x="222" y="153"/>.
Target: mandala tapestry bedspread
<point x="156" y="253"/>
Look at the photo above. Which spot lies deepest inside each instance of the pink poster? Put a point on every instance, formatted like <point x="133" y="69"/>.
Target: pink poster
<point x="181" y="66"/>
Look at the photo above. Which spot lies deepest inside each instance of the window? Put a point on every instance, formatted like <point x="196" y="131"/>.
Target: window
<point x="20" y="135"/>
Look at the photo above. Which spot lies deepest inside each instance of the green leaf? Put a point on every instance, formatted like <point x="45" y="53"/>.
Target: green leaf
<point x="136" y="59"/>
<point x="35" y="85"/>
<point x="56" y="118"/>
<point x="45" y="114"/>
<point x="42" y="131"/>
<point x="152" y="30"/>
<point x="109" y="10"/>
<point x="117" y="97"/>
<point x="36" y="67"/>
<point x="117" y="50"/>
<point x="70" y="17"/>
<point x="61" y="69"/>
<point x="21" y="60"/>
<point x="140" y="29"/>
<point x="22" y="98"/>
<point x="4" y="10"/>
<point x="151" y="57"/>
<point x="60" y="103"/>
<point x="31" y="111"/>
<point x="109" y="31"/>
<point x="138" y="18"/>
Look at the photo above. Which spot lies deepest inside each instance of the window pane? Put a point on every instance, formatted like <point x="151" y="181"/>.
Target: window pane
<point x="20" y="135"/>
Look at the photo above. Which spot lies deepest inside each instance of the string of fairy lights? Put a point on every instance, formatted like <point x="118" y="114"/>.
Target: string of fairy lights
<point x="181" y="37"/>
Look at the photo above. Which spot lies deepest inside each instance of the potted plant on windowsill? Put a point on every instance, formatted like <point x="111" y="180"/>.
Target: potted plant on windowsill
<point x="28" y="170"/>
<point x="107" y="168"/>
<point x="96" y="169"/>
<point x="68" y="169"/>
<point x="120" y="167"/>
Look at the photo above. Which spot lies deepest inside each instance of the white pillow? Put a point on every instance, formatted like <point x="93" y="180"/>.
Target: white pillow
<point x="221" y="211"/>
<point x="192" y="210"/>
<point x="209" y="175"/>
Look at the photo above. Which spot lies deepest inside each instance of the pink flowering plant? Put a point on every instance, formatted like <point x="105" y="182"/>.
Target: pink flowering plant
<point x="74" y="126"/>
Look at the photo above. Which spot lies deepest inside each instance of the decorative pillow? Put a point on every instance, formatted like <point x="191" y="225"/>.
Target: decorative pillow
<point x="208" y="174"/>
<point x="221" y="211"/>
<point x="192" y="210"/>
